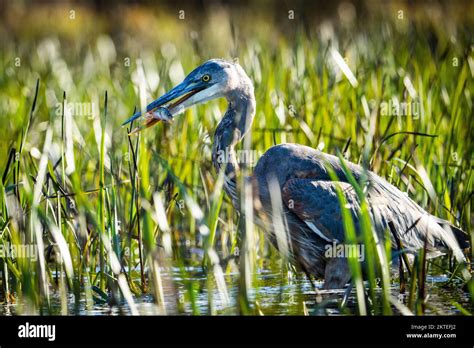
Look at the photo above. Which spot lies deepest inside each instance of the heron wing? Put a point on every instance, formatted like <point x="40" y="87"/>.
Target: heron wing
<point x="316" y="203"/>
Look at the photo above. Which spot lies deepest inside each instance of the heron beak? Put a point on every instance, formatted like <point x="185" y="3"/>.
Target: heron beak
<point x="165" y="107"/>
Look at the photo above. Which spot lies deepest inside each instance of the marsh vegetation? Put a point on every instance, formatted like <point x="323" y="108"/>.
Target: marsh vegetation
<point x="140" y="224"/>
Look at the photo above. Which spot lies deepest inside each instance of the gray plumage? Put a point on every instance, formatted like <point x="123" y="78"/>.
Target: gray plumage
<point x="309" y="206"/>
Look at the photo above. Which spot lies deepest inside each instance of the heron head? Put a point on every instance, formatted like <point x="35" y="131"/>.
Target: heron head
<point x="215" y="78"/>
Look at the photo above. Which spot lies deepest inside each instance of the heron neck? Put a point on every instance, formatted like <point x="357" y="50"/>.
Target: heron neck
<point x="230" y="131"/>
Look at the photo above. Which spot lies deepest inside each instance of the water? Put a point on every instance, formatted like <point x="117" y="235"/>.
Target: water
<point x="273" y="293"/>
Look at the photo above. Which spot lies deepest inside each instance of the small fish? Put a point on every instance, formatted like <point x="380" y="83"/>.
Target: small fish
<point x="163" y="114"/>
<point x="152" y="117"/>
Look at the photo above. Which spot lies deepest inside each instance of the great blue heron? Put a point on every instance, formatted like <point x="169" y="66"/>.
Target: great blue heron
<point x="307" y="192"/>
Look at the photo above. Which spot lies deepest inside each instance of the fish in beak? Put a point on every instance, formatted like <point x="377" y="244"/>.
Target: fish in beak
<point x="174" y="102"/>
<point x="150" y="118"/>
<point x="165" y="107"/>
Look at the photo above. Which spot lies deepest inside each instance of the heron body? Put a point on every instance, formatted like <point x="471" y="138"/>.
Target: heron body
<point x="293" y="182"/>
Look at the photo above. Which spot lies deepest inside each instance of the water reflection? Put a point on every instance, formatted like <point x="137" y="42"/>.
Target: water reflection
<point x="272" y="295"/>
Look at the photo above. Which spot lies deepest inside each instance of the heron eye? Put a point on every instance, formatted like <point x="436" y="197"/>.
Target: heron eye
<point x="206" y="78"/>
